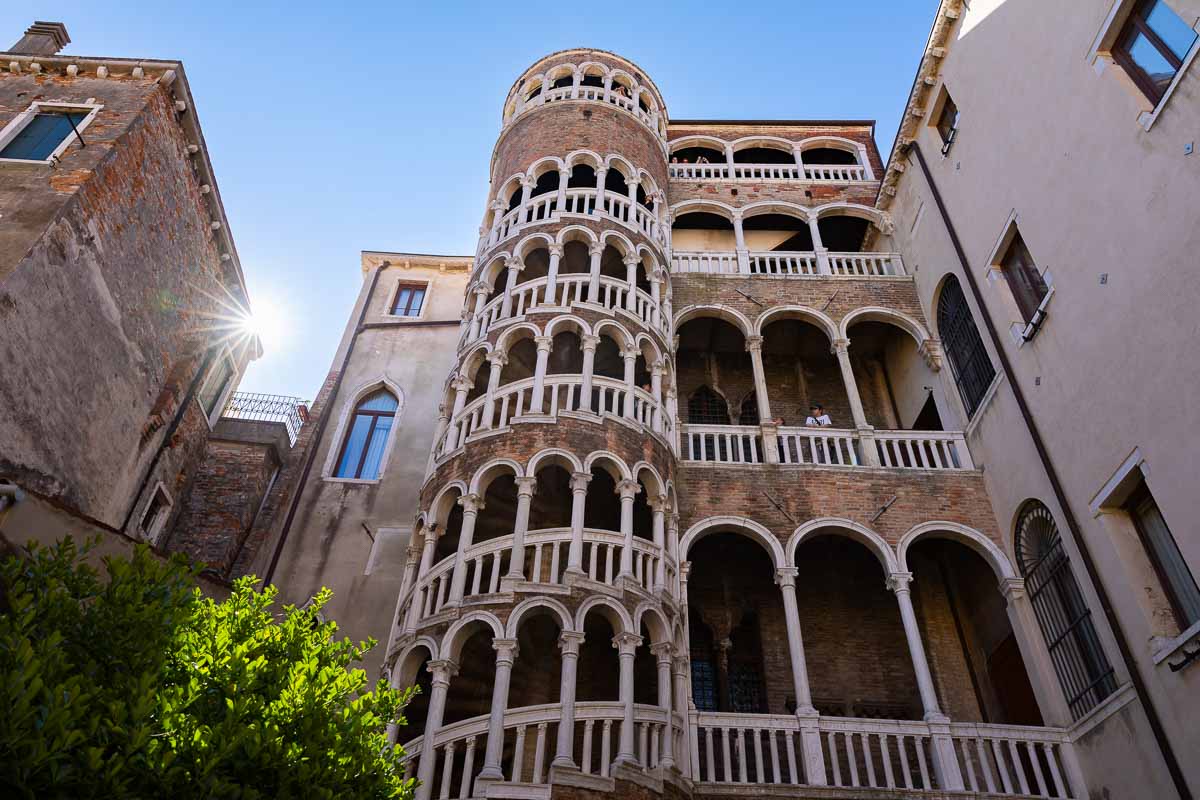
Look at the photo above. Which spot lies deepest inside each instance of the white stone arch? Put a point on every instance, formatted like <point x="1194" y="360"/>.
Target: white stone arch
<point x="612" y="610"/>
<point x="510" y="184"/>
<point x="849" y="210"/>
<point x="493" y="469"/>
<point x="542" y="166"/>
<point x="622" y="242"/>
<point x="659" y="486"/>
<point x="610" y="462"/>
<point x="555" y="72"/>
<point x="534" y="241"/>
<point x="703" y="206"/>
<point x="576" y="233"/>
<point x="577" y="324"/>
<point x="776" y="207"/>
<point x="512" y="335"/>
<point x="697" y="140"/>
<point x="833" y="142"/>
<point x="473" y="360"/>
<point x="458" y="633"/>
<point x="554" y="455"/>
<point x="623" y="337"/>
<point x="621" y="164"/>
<point x="597" y="68"/>
<point x="531" y="83"/>
<point x="346" y="417"/>
<point x="651" y="103"/>
<point x="565" y="622"/>
<point x="629" y="81"/>
<point x="443" y="502"/>
<point x="817" y="318"/>
<point x="850" y="529"/>
<point x="404" y="669"/>
<point x="991" y="552"/>
<point x="656" y="622"/>
<point x="492" y="267"/>
<point x="649" y="185"/>
<point x="745" y="526"/>
<point x="879" y="314"/>
<point x="649" y="349"/>
<point x="584" y="156"/>
<point x="727" y="313"/>
<point x="765" y="141"/>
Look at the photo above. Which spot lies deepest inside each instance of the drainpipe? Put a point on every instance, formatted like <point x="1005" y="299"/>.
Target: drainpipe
<point x="322" y="422"/>
<point x="1139" y="686"/>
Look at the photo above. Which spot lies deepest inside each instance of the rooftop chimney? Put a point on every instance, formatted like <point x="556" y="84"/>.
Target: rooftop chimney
<point x="42" y="39"/>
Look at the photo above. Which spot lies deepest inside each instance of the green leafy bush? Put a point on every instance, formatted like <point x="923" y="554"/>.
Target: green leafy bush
<point x="135" y="685"/>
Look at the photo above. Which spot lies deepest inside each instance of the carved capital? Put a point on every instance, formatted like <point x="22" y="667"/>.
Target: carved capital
<point x="900" y="582"/>
<point x="1013" y="589"/>
<point x="580" y="481"/>
<point x="633" y="181"/>
<point x="462" y="384"/>
<point x="658" y="503"/>
<point x="526" y="486"/>
<point x="589" y="341"/>
<point x="626" y="643"/>
<point x="506" y="651"/>
<point x="596" y="248"/>
<point x="931" y="351"/>
<point x="786" y="576"/>
<point x="663" y="652"/>
<point x="497" y="358"/>
<point x="628" y="489"/>
<point x="631" y="354"/>
<point x="754" y="344"/>
<point x="555" y="250"/>
<point x="569" y="642"/>
<point x="471" y="503"/>
<point x="544" y="343"/>
<point x="528" y="182"/>
<point x="839" y="346"/>
<point x="442" y="671"/>
<point x="514" y="264"/>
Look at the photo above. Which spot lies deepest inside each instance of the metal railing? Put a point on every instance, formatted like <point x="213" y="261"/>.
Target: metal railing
<point x="291" y="411"/>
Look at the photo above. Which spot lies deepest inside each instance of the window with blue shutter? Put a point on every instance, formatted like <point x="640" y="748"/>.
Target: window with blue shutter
<point x="42" y="135"/>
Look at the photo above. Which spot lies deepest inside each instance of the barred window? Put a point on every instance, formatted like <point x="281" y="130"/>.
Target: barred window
<point x="706" y="407"/>
<point x="704" y="683"/>
<point x="1062" y="612"/>
<point x="973" y="370"/>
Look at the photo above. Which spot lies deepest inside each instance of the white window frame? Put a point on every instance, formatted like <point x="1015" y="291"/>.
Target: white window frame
<point x="1100" y="57"/>
<point x="395" y="293"/>
<point x="227" y="355"/>
<point x="1020" y="330"/>
<point x="154" y="530"/>
<point x="23" y="119"/>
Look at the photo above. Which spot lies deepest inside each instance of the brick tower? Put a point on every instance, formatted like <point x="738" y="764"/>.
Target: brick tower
<point x="632" y="509"/>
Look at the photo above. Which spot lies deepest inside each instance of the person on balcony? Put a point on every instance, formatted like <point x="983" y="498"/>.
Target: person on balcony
<point x="817" y="418"/>
<point x="701" y="159"/>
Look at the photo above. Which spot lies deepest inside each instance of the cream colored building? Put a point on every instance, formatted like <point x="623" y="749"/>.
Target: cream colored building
<point x="1029" y="118"/>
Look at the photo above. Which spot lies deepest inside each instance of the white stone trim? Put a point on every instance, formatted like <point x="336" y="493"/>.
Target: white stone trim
<point x="389" y="310"/>
<point x="225" y="354"/>
<point x="19" y="122"/>
<point x="155" y="529"/>
<point x="1117" y="488"/>
<point x="342" y="428"/>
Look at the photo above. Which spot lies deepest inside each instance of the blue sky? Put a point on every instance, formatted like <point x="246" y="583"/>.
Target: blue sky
<point x="339" y="128"/>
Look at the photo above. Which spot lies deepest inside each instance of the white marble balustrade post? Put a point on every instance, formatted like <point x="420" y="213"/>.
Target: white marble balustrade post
<point x="471" y="504"/>
<point x="627" y="490"/>
<point x="506" y="654"/>
<point x="568" y="643"/>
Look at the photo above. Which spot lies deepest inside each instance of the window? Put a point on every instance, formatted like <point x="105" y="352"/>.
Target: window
<point x="1173" y="573"/>
<point x="1152" y="46"/>
<point x="1063" y="615"/>
<point x="155" y="515"/>
<point x="367" y="437"/>
<point x="216" y="385"/>
<point x="409" y="299"/>
<point x="1026" y="283"/>
<point x="969" y="361"/>
<point x="706" y="407"/>
<point x="947" y="121"/>
<point x="44" y="131"/>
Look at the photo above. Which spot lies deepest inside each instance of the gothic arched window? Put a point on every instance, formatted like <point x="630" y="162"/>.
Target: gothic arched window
<point x="367" y="436"/>
<point x="749" y="410"/>
<point x="1062" y="612"/>
<point x="969" y="361"/>
<point x="706" y="407"/>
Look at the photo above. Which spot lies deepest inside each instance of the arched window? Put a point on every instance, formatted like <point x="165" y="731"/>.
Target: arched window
<point x="749" y="412"/>
<point x="706" y="407"/>
<point x="1063" y="615"/>
<point x="973" y="370"/>
<point x="366" y="440"/>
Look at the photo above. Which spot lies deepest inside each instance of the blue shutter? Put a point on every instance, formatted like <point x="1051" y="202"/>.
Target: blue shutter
<point x="41" y="136"/>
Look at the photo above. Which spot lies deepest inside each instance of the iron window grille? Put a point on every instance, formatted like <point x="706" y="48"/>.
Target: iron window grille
<point x="706" y="407"/>
<point x="969" y="361"/>
<point x="1083" y="670"/>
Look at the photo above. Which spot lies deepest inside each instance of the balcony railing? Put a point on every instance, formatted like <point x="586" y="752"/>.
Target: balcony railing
<point x="829" y="447"/>
<point x="595" y="94"/>
<point x="546" y="207"/>
<point x="291" y="411"/>
<point x="788" y="263"/>
<point x="810" y="173"/>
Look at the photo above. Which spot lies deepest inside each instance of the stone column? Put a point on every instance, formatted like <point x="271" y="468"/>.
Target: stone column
<point x="442" y="670"/>
<point x="601" y="175"/>
<point x="627" y="489"/>
<point x="631" y="267"/>
<point x="428" y="546"/>
<point x="754" y="348"/>
<point x="630" y="357"/>
<point x="564" y="176"/>
<point x="564" y="752"/>
<point x="439" y="434"/>
<point x="819" y="247"/>
<point x="514" y="267"/>
<point x="799" y="156"/>
<point x="899" y="583"/>
<point x="810" y="735"/>
<point x="544" y="343"/>
<point x="656" y="294"/>
<point x="866" y="433"/>
<point x="662" y="654"/>
<point x="550" y="297"/>
<point x="481" y="295"/>
<point x="516" y="561"/>
<point x="472" y="504"/>
<point x="497" y="360"/>
<point x="657" y="201"/>
<point x="506" y="654"/>
<point x="660" y="506"/>
<point x="579" y="484"/>
<point x="590" y="343"/>
<point x="626" y="645"/>
<point x="527" y="184"/>
<point x="673" y="538"/>
<point x="461" y="386"/>
<point x="679" y="669"/>
<point x="632" y="185"/>
<point x="498" y="211"/>
<point x="729" y="160"/>
<point x="656" y="375"/>
<point x="743" y="254"/>
<point x="595" y="251"/>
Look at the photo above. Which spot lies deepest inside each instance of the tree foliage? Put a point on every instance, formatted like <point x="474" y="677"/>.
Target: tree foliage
<point x="133" y="684"/>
